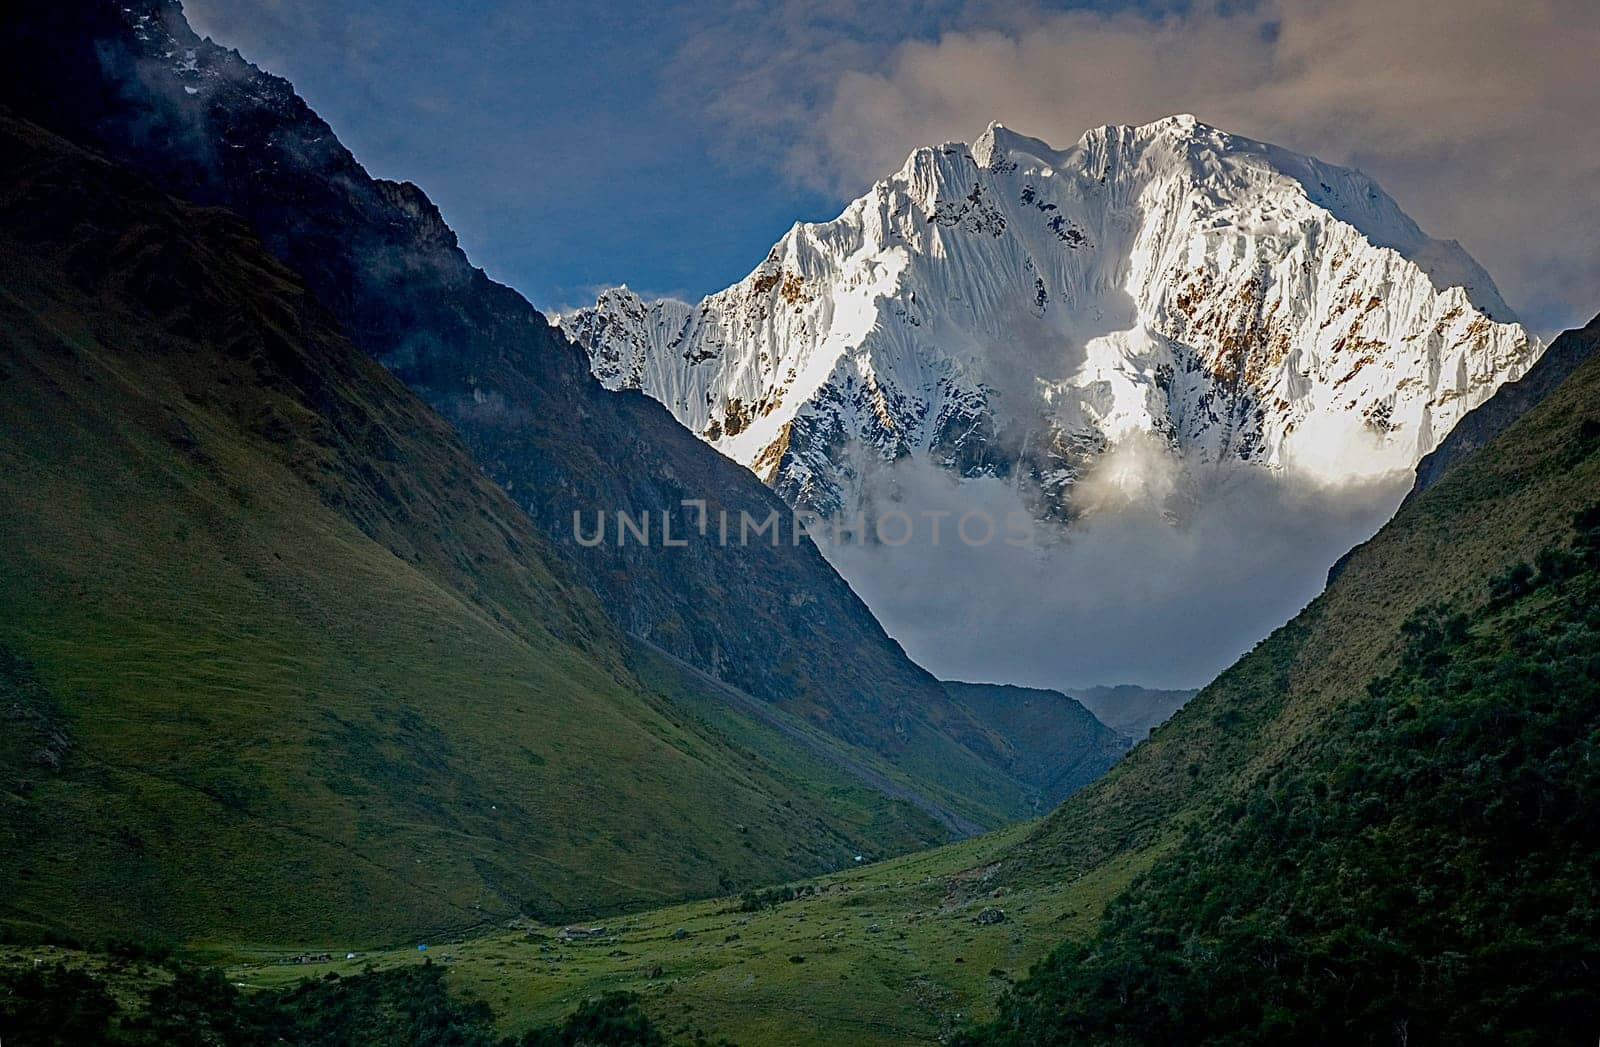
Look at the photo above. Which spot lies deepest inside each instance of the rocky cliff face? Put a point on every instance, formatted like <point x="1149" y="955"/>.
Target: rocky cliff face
<point x="1007" y="309"/>
<point x="1566" y="354"/>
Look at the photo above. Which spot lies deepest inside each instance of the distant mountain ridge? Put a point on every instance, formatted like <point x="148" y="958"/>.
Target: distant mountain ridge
<point x="1131" y="710"/>
<point x="1058" y="745"/>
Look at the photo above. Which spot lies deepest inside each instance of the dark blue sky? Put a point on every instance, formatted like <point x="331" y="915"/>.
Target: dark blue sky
<point x="668" y="145"/>
<point x="560" y="140"/>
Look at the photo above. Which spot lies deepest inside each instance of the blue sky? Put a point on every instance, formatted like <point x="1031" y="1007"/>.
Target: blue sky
<point x="554" y="137"/>
<point x="669" y="145"/>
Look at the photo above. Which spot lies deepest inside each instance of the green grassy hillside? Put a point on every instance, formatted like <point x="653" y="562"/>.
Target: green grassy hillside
<point x="1421" y="868"/>
<point x="773" y="619"/>
<point x="277" y="663"/>
<point x="1374" y="827"/>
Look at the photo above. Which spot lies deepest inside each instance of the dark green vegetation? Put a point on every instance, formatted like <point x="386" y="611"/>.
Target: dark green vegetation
<point x="173" y="1005"/>
<point x="1420" y="870"/>
<point x="277" y="663"/>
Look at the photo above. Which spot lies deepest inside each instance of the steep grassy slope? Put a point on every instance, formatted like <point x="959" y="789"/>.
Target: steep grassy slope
<point x="779" y="739"/>
<point x="131" y="80"/>
<point x="277" y="663"/>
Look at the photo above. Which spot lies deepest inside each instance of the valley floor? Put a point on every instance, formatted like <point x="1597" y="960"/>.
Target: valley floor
<point x="892" y="953"/>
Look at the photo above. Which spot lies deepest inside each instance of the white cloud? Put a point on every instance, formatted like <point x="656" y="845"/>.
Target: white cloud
<point x="1123" y="595"/>
<point x="1478" y="116"/>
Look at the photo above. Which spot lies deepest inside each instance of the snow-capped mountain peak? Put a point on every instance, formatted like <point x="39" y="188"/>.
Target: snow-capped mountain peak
<point x="1008" y="309"/>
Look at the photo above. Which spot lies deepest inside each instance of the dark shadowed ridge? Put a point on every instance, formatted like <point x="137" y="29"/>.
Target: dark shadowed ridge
<point x="277" y="662"/>
<point x="133" y="81"/>
<point x="1057" y="746"/>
